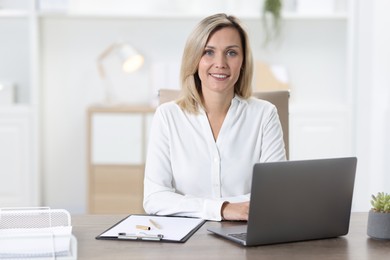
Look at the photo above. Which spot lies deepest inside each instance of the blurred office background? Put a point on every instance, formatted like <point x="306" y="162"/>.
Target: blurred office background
<point x="333" y="55"/>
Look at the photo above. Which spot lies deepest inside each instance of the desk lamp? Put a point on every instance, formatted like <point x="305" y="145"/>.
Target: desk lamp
<point x="130" y="59"/>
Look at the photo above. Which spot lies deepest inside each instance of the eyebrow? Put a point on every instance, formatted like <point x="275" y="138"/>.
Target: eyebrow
<point x="227" y="47"/>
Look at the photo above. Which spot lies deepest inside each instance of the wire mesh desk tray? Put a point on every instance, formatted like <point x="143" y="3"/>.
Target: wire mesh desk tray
<point x="36" y="233"/>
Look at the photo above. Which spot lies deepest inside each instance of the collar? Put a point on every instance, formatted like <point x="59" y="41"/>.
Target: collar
<point x="236" y="101"/>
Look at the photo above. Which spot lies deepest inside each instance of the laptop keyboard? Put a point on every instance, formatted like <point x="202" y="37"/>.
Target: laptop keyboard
<point x="240" y="236"/>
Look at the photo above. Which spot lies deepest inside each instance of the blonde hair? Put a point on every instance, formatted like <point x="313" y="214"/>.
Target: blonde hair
<point x="191" y="89"/>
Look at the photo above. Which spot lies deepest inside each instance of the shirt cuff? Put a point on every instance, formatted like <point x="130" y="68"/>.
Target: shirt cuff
<point x="212" y="210"/>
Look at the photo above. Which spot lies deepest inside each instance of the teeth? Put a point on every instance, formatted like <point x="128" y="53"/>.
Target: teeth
<point x="220" y="76"/>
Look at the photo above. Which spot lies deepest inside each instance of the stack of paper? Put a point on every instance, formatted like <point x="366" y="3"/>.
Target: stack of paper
<point x="36" y="232"/>
<point x="35" y="242"/>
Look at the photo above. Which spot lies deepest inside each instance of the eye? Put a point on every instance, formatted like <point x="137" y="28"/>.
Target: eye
<point x="208" y="52"/>
<point x="231" y="53"/>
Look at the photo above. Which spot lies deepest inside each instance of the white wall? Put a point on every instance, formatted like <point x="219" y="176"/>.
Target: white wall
<point x="372" y="101"/>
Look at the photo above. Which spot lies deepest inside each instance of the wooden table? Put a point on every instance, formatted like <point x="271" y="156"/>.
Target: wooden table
<point x="203" y="245"/>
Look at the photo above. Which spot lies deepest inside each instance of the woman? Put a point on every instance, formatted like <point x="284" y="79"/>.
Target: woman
<point x="203" y="146"/>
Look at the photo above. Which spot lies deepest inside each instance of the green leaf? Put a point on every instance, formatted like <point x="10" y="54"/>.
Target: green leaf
<point x="381" y="202"/>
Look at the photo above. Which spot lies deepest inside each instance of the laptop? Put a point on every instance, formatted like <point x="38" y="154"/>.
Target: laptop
<point x="296" y="201"/>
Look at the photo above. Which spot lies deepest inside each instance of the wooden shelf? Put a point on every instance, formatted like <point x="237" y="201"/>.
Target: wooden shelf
<point x="10" y="13"/>
<point x="116" y="184"/>
<point x="120" y="108"/>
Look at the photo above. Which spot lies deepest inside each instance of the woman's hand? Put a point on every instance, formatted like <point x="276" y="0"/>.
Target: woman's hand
<point x="235" y="211"/>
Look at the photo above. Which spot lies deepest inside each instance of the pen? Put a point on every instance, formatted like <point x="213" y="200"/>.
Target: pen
<point x="142" y="227"/>
<point x="154" y="223"/>
<point x="140" y="236"/>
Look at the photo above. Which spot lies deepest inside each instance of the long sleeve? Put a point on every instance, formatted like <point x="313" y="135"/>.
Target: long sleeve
<point x="161" y="197"/>
<point x="189" y="174"/>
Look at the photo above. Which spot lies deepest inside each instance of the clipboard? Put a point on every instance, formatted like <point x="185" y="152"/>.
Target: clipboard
<point x="153" y="228"/>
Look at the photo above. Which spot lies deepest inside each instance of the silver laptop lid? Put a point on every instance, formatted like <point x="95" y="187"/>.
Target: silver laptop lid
<point x="300" y="200"/>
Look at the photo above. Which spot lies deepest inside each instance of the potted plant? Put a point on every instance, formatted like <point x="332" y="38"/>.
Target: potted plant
<point x="379" y="217"/>
<point x="271" y="15"/>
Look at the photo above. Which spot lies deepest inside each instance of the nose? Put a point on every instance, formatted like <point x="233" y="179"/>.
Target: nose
<point x="220" y="61"/>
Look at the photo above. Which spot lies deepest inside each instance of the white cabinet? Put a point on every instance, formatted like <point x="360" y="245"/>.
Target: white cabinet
<point x="117" y="138"/>
<point x="18" y="185"/>
<point x="320" y="132"/>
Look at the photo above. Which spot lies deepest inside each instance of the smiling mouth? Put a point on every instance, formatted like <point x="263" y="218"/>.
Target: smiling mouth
<point x="220" y="76"/>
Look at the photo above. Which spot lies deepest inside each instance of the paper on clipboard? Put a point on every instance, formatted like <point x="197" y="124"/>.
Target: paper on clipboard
<point x="172" y="228"/>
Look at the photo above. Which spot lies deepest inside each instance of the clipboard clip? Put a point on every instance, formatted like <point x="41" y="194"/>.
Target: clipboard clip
<point x="140" y="236"/>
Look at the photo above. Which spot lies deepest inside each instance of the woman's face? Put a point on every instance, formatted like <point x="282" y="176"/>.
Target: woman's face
<point x="220" y="65"/>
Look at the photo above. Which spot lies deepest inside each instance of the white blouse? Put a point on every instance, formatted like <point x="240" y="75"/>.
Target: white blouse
<point x="188" y="173"/>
